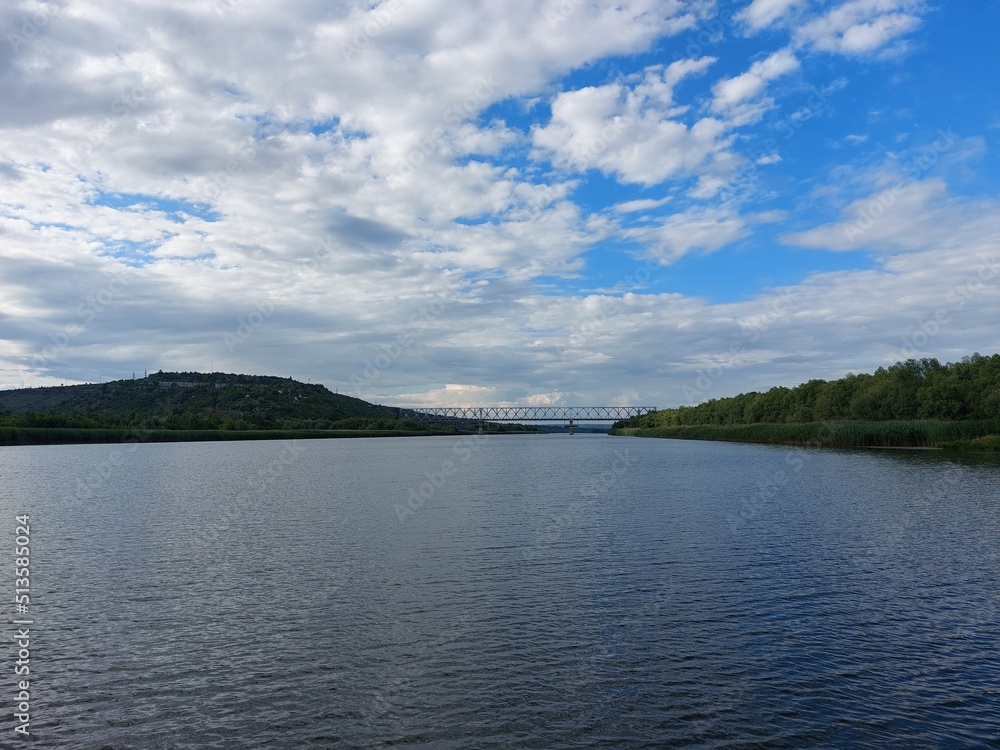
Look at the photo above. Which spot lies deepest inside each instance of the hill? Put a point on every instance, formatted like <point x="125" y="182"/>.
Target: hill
<point x="190" y="400"/>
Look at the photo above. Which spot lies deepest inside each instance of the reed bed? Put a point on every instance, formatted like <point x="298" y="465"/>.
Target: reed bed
<point x="893" y="434"/>
<point x="73" y="435"/>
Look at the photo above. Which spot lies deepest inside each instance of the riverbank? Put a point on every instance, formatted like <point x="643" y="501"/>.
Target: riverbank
<point x="69" y="436"/>
<point x="981" y="435"/>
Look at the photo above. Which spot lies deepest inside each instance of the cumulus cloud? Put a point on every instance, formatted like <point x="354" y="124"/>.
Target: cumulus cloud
<point x="704" y="229"/>
<point x="453" y="394"/>
<point x="738" y="98"/>
<point x="632" y="132"/>
<point x="760" y="14"/>
<point x="859" y="27"/>
<point x="398" y="195"/>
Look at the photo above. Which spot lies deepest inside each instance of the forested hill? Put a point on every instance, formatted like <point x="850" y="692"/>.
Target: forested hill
<point x="189" y="400"/>
<point x="914" y="389"/>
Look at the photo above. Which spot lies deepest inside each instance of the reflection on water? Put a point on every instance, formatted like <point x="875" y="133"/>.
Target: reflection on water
<point x="539" y="592"/>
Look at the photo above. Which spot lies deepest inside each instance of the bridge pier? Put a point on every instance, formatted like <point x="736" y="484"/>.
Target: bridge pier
<point x="571" y="427"/>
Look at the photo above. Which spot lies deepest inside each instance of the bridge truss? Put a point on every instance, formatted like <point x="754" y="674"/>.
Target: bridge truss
<point x="570" y="414"/>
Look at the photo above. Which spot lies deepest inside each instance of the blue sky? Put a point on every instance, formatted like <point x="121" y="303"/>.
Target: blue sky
<point x="445" y="203"/>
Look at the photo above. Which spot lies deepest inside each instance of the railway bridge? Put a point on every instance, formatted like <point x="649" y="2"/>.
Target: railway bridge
<point x="484" y="414"/>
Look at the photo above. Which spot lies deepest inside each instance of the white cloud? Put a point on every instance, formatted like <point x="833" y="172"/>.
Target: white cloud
<point x="827" y="325"/>
<point x="645" y="204"/>
<point x="350" y="168"/>
<point x="555" y="398"/>
<point x="732" y="91"/>
<point x="704" y="229"/>
<point x="453" y="394"/>
<point x="760" y="14"/>
<point x="858" y="27"/>
<point x="631" y="133"/>
<point x="903" y="216"/>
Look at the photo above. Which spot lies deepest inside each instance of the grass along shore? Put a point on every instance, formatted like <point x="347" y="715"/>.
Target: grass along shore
<point x="960" y="435"/>
<point x="74" y="435"/>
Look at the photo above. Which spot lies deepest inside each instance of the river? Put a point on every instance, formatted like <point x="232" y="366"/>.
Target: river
<point x="515" y="591"/>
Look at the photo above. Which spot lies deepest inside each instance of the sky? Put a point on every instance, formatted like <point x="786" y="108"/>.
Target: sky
<point x="434" y="203"/>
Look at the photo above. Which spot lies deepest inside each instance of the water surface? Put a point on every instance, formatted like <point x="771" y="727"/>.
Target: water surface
<point x="507" y="592"/>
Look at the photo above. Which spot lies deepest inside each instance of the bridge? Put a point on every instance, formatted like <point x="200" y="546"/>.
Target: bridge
<point x="483" y="414"/>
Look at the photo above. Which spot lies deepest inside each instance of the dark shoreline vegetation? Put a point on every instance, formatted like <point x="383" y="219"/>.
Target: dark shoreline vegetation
<point x="78" y="435"/>
<point x="69" y="436"/>
<point x="971" y="435"/>
<point x="189" y="406"/>
<point x="912" y="404"/>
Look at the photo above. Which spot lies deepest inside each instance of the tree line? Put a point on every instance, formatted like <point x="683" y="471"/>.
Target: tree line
<point x="207" y="421"/>
<point x="914" y="389"/>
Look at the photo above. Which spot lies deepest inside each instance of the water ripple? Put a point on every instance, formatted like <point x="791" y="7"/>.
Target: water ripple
<point x="525" y="604"/>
